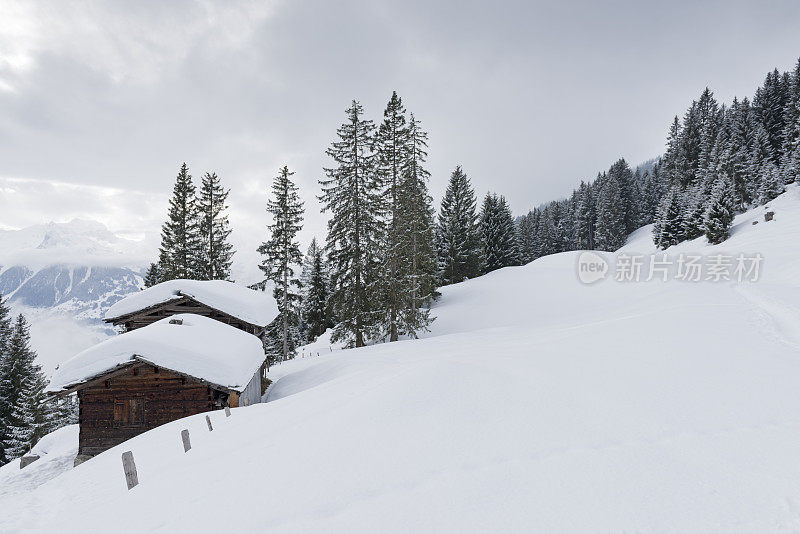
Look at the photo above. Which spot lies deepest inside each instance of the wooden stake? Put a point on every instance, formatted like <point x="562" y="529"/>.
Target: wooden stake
<point x="227" y="411"/>
<point x="208" y="420"/>
<point x="186" y="443"/>
<point x="131" y="478"/>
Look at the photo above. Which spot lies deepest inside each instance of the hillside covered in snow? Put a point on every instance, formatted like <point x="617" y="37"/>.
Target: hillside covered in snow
<point x="535" y="403"/>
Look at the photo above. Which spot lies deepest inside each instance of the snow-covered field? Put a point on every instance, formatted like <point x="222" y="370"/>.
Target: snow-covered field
<point x="535" y="404"/>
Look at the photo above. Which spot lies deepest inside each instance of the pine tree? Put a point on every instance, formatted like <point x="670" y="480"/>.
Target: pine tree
<point x="180" y="252"/>
<point x="5" y="324"/>
<point x="500" y="247"/>
<point x="152" y="276"/>
<point x="791" y="165"/>
<point x="526" y="232"/>
<point x="216" y="252"/>
<point x="737" y="153"/>
<point x="21" y="427"/>
<point x="391" y="153"/>
<point x="274" y="345"/>
<point x="768" y="105"/>
<point x="672" y="158"/>
<point x="760" y="157"/>
<point x="67" y="410"/>
<point x="652" y="192"/>
<point x="669" y="229"/>
<point x="719" y="212"/>
<point x="790" y="162"/>
<point x="281" y="253"/>
<point x="585" y="218"/>
<point x="416" y="236"/>
<point x="611" y="231"/>
<point x="629" y="194"/>
<point x="694" y="207"/>
<point x="6" y="392"/>
<point x="26" y="416"/>
<point x="563" y="214"/>
<point x="33" y="417"/>
<point x="549" y="240"/>
<point x="353" y="194"/>
<point x="771" y="183"/>
<point x="316" y="308"/>
<point x="458" y="238"/>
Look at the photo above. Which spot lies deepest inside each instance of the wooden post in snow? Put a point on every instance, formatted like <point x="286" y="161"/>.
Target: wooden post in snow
<point x="186" y="443"/>
<point x="208" y="420"/>
<point x="131" y="478"/>
<point x="227" y="411"/>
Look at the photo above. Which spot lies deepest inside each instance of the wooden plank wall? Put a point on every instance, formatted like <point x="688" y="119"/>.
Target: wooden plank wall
<point x="167" y="396"/>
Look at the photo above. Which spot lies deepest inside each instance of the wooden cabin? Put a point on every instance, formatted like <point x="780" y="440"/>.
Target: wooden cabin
<point x="227" y="302"/>
<point x="176" y="367"/>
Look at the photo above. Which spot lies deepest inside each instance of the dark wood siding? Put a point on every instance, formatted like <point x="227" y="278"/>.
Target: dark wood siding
<point x="144" y="397"/>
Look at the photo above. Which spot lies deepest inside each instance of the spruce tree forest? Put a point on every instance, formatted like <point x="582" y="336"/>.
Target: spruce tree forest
<point x="375" y="274"/>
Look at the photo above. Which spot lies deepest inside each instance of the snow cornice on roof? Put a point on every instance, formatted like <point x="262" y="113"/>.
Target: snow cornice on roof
<point x="197" y="347"/>
<point x="254" y="307"/>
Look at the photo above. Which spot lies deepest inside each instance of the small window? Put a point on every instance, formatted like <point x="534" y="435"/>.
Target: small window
<point x="129" y="412"/>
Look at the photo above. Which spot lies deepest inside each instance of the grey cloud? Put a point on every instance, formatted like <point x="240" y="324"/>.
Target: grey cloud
<point x="529" y="96"/>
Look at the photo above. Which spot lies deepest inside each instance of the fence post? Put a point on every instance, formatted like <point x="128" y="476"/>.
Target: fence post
<point x="131" y="478"/>
<point x="227" y="411"/>
<point x="186" y="443"/>
<point x="208" y="420"/>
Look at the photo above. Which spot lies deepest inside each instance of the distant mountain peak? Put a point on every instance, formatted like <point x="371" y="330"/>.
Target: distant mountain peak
<point x="79" y="242"/>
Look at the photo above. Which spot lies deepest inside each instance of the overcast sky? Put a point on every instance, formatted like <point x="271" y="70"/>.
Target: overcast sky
<point x="100" y="102"/>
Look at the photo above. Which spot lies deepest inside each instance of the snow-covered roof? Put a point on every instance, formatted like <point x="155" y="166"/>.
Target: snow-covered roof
<point x="200" y="347"/>
<point x="254" y="307"/>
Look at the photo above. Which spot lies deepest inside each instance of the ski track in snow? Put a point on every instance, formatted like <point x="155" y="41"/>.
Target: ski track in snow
<point x="779" y="311"/>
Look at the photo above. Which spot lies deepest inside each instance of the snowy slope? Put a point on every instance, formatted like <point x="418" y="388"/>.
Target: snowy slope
<point x="56" y="453"/>
<point x="536" y="403"/>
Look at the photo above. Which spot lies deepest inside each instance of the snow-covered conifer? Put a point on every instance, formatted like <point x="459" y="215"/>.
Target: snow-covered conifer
<point x="694" y="207"/>
<point x="6" y="391"/>
<point x="611" y="230"/>
<point x="500" y="247"/>
<point x="26" y="415"/>
<point x="719" y="212"/>
<point x="771" y="183"/>
<point x="790" y="162"/>
<point x="282" y="253"/>
<point x="152" y="276"/>
<point x="668" y="229"/>
<point x="180" y="251"/>
<point x="585" y="217"/>
<point x="391" y="153"/>
<point x="353" y="194"/>
<point x="416" y="236"/>
<point x="316" y="293"/>
<point x="216" y="252"/>
<point x="526" y="232"/>
<point x="458" y="234"/>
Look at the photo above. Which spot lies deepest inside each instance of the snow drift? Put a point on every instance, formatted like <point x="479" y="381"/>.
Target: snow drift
<point x="536" y="403"/>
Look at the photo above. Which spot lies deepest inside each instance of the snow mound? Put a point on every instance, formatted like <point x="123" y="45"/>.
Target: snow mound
<point x="254" y="307"/>
<point x="56" y="453"/>
<point x="199" y="347"/>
